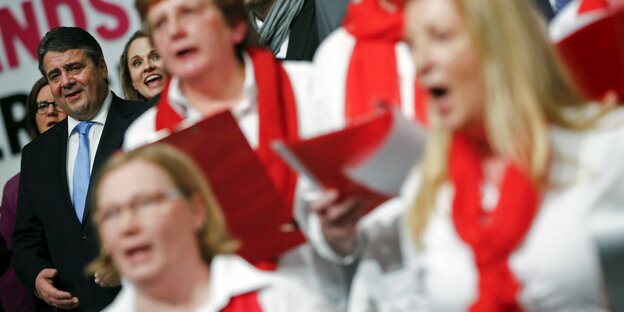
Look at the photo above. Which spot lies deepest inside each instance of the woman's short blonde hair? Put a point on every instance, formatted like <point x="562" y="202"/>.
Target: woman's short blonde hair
<point x="213" y="238"/>
<point x="526" y="91"/>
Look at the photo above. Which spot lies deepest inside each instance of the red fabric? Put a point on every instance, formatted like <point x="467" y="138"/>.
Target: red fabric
<point x="266" y="265"/>
<point x="166" y="116"/>
<point x="494" y="236"/>
<point x="277" y="120"/>
<point x="590" y="5"/>
<point x="277" y="117"/>
<point x="372" y="75"/>
<point x="247" y="302"/>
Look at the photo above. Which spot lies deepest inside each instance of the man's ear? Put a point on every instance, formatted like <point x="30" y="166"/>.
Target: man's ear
<point x="103" y="68"/>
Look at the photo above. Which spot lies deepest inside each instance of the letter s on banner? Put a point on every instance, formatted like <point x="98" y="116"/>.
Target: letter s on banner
<point x="115" y="11"/>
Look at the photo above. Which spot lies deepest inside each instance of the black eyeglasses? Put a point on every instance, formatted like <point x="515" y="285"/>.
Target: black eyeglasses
<point x="42" y="107"/>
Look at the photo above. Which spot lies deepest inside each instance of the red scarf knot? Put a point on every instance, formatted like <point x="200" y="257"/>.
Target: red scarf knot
<point x="492" y="236"/>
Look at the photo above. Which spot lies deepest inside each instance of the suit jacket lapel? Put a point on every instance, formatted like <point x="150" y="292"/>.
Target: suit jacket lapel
<point x="111" y="140"/>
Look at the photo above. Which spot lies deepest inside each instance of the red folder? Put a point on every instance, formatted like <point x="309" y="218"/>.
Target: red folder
<point x="594" y="54"/>
<point x="241" y="184"/>
<point x="383" y="140"/>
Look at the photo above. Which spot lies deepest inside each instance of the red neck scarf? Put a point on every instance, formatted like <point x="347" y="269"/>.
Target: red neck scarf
<point x="494" y="236"/>
<point x="277" y="118"/>
<point x="372" y="75"/>
<point x="247" y="302"/>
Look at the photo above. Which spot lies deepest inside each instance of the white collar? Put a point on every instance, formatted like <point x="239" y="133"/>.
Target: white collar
<point x="230" y="276"/>
<point x="184" y="108"/>
<point x="99" y="118"/>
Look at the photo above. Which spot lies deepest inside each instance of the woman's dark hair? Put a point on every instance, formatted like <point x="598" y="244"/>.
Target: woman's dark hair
<point x="124" y="72"/>
<point x="31" y="107"/>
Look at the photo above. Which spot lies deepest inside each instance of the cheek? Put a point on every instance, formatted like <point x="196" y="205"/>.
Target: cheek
<point x="477" y="109"/>
<point x="475" y="97"/>
<point x="55" y="89"/>
<point x="135" y="75"/>
<point x="175" y="235"/>
<point x="158" y="63"/>
<point x="470" y="88"/>
<point x="162" y="45"/>
<point x="40" y="119"/>
<point x="87" y="79"/>
<point x="109" y="240"/>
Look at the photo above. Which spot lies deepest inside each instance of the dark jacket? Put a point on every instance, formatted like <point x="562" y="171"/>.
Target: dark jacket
<point x="47" y="233"/>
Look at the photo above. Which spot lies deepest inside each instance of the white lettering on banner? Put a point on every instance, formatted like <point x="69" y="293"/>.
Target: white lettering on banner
<point x="22" y="24"/>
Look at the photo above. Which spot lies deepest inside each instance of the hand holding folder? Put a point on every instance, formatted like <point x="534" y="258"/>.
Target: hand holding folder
<point x="370" y="158"/>
<point x="248" y="198"/>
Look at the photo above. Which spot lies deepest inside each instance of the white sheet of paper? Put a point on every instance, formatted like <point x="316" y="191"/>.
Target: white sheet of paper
<point x="385" y="170"/>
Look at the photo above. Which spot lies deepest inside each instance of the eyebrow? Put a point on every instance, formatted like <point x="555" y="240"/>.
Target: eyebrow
<point x="72" y="64"/>
<point x="52" y="71"/>
<point x="65" y="66"/>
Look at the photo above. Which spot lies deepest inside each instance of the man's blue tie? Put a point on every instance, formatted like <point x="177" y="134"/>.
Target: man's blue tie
<point x="560" y="4"/>
<point x="82" y="169"/>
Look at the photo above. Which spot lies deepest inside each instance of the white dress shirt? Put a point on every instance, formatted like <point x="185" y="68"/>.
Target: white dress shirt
<point x="95" y="133"/>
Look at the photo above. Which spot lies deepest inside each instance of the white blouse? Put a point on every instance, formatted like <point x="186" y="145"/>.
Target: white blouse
<point x="232" y="276"/>
<point x="557" y="265"/>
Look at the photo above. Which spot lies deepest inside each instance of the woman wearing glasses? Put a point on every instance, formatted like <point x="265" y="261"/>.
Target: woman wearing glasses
<point x="162" y="230"/>
<point x="42" y="113"/>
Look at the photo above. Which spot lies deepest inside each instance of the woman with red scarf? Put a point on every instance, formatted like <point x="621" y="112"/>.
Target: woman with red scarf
<point x="206" y="49"/>
<point x="360" y="65"/>
<point x="365" y="62"/>
<point x="498" y="215"/>
<point x="163" y="231"/>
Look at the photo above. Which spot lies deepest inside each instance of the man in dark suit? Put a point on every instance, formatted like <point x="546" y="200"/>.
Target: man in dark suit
<point x="54" y="238"/>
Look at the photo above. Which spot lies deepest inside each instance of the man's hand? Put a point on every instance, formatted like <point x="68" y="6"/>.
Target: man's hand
<point x="50" y="294"/>
<point x="339" y="219"/>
